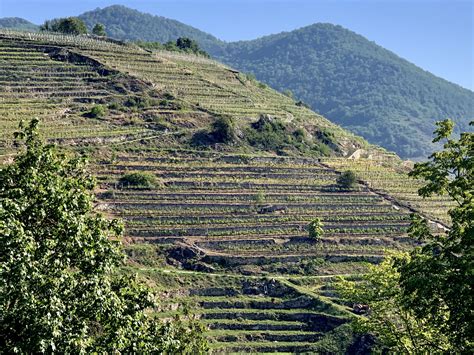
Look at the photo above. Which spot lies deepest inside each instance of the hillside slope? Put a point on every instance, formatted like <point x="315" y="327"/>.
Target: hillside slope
<point x="348" y="79"/>
<point x="357" y="84"/>
<point x="222" y="227"/>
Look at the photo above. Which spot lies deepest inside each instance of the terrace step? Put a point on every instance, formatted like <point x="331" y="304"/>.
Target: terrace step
<point x="261" y="336"/>
<point x="313" y="321"/>
<point x="259" y="303"/>
<point x="266" y="347"/>
<point x="248" y="325"/>
<point x="335" y="257"/>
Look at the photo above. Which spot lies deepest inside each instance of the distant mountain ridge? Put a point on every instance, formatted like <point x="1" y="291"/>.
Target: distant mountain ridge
<point x="357" y="84"/>
<point x="340" y="74"/>
<point x="18" y="23"/>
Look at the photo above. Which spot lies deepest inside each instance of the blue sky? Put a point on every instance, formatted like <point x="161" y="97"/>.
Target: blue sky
<point x="436" y="35"/>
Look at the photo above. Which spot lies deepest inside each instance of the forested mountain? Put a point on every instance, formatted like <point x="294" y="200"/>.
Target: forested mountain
<point x="18" y="24"/>
<point x="128" y="24"/>
<point x="356" y="83"/>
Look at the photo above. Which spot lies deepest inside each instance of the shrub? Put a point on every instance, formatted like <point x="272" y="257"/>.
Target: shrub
<point x="315" y="229"/>
<point x="269" y="133"/>
<point x="347" y="179"/>
<point x="138" y="179"/>
<point x="223" y="130"/>
<point x="137" y="102"/>
<point x="115" y="106"/>
<point x="97" y="111"/>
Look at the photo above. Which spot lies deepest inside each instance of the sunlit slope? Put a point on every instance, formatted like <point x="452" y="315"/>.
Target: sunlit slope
<point x="223" y="226"/>
<point x="36" y="82"/>
<point x="58" y="78"/>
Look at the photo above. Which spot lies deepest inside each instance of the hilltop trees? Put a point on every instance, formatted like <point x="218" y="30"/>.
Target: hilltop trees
<point x="99" y="30"/>
<point x="69" y="25"/>
<point x="428" y="294"/>
<point x="61" y="289"/>
<point x="182" y="44"/>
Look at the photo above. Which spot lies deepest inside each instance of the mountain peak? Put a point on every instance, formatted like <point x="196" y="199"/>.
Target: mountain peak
<point x="124" y="23"/>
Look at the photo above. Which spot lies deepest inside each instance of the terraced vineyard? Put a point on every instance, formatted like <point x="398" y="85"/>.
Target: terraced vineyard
<point x="223" y="206"/>
<point x="253" y="314"/>
<point x="224" y="227"/>
<point x="33" y="84"/>
<point x="390" y="177"/>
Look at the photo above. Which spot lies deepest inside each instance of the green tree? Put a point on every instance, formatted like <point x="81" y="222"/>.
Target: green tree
<point x="315" y="229"/>
<point x="99" y="30"/>
<point x="427" y="295"/>
<point x="223" y="129"/>
<point x="97" y="111"/>
<point x="395" y="326"/>
<point x="69" y="25"/>
<point x="187" y="43"/>
<point x="437" y="282"/>
<point x="60" y="286"/>
<point x="347" y="180"/>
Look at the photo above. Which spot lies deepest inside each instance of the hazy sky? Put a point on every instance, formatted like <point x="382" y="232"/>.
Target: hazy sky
<point x="436" y="35"/>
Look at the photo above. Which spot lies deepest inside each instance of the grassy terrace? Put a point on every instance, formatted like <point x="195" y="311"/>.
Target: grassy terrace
<point x="255" y="314"/>
<point x="216" y="204"/>
<point x="215" y="88"/>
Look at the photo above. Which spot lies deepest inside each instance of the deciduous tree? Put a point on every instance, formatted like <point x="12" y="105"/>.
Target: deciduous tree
<point x="423" y="301"/>
<point x="61" y="289"/>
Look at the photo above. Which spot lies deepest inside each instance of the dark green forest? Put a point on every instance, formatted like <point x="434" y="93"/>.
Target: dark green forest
<point x="357" y="84"/>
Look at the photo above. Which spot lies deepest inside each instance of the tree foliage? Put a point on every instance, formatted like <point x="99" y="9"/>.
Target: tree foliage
<point x="347" y="180"/>
<point x="223" y="129"/>
<point x="97" y="111"/>
<point x="60" y="286"/>
<point x="182" y="44"/>
<point x="99" y="30"/>
<point x="423" y="301"/>
<point x="395" y="326"/>
<point x="69" y="25"/>
<point x="437" y="283"/>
